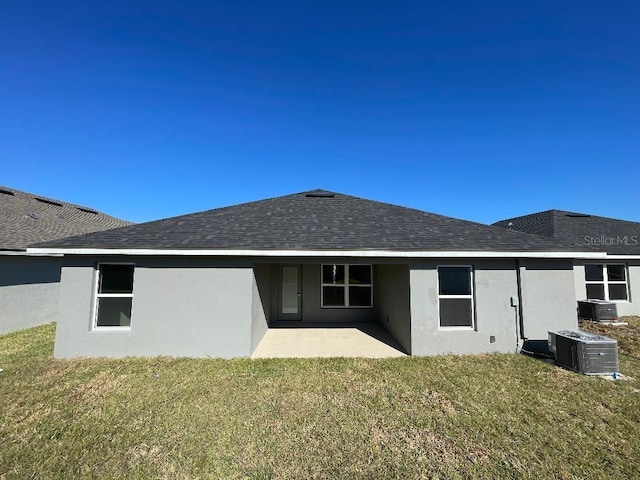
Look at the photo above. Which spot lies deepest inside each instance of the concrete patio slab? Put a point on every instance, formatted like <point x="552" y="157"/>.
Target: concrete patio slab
<point x="361" y="340"/>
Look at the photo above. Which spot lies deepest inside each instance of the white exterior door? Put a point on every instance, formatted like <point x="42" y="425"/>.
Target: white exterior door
<point x="291" y="293"/>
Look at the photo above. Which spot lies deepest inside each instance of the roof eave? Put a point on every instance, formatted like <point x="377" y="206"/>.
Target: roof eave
<point x="616" y="256"/>
<point x="316" y="253"/>
<point x="23" y="253"/>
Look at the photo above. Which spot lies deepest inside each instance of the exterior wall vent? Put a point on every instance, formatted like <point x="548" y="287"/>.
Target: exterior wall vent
<point x="584" y="352"/>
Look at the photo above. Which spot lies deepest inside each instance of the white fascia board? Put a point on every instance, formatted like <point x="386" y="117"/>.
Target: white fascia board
<point x="623" y="257"/>
<point x="26" y="253"/>
<point x="312" y="253"/>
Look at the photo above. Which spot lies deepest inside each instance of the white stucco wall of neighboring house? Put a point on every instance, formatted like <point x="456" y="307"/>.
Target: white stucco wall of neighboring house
<point x="29" y="288"/>
<point x="630" y="307"/>
<point x="194" y="308"/>
<point x="495" y="282"/>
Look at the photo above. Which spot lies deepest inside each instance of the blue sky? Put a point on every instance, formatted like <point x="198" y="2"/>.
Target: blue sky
<point x="478" y="110"/>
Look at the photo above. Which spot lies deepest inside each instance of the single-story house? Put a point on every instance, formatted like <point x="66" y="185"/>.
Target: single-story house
<point x="213" y="283"/>
<point x="613" y="276"/>
<point x="30" y="284"/>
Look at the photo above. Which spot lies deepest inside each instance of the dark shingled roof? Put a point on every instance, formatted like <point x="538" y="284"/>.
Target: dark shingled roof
<point x="26" y="218"/>
<point x="314" y="220"/>
<point x="616" y="237"/>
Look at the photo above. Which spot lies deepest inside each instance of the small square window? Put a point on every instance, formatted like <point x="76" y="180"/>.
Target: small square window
<point x="347" y="286"/>
<point x="616" y="273"/>
<point x="360" y="274"/>
<point x="333" y="274"/>
<point x="617" y="291"/>
<point x="359" y="296"/>
<point x="595" y="291"/>
<point x="593" y="273"/>
<point x="333" y="296"/>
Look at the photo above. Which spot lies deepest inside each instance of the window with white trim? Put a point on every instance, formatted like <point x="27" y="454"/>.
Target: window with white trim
<point x="114" y="295"/>
<point x="455" y="296"/>
<point x="347" y="286"/>
<point x="606" y="281"/>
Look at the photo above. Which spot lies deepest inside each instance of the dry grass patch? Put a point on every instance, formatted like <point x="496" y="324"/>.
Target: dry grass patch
<point x="439" y="401"/>
<point x="102" y="385"/>
<point x="628" y="336"/>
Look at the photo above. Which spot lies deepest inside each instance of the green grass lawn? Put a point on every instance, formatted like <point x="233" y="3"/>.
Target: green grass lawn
<point x="491" y="416"/>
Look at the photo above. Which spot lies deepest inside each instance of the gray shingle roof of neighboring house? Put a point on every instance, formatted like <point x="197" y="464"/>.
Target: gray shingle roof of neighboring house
<point x="26" y="218"/>
<point x="616" y="237"/>
<point x="314" y="220"/>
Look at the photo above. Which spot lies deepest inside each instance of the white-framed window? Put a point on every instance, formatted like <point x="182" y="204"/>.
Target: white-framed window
<point x="606" y="281"/>
<point x="114" y="296"/>
<point x="455" y="297"/>
<point x="347" y="286"/>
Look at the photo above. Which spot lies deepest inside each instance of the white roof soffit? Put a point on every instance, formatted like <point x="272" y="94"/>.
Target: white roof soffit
<point x="311" y="253"/>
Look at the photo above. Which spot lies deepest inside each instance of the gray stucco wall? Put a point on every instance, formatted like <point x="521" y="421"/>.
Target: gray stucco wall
<point x="391" y="287"/>
<point x="548" y="297"/>
<point x="261" y="303"/>
<point x="29" y="289"/>
<point x="494" y="283"/>
<point x="221" y="308"/>
<point x="631" y="307"/>
<point x="184" y="307"/>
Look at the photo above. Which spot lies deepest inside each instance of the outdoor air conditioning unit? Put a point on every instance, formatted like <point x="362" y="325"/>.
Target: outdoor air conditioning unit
<point x="584" y="352"/>
<point x="598" y="311"/>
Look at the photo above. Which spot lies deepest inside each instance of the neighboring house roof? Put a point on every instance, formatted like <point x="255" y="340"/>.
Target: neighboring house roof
<point x="616" y="237"/>
<point x="26" y="218"/>
<point x="313" y="220"/>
